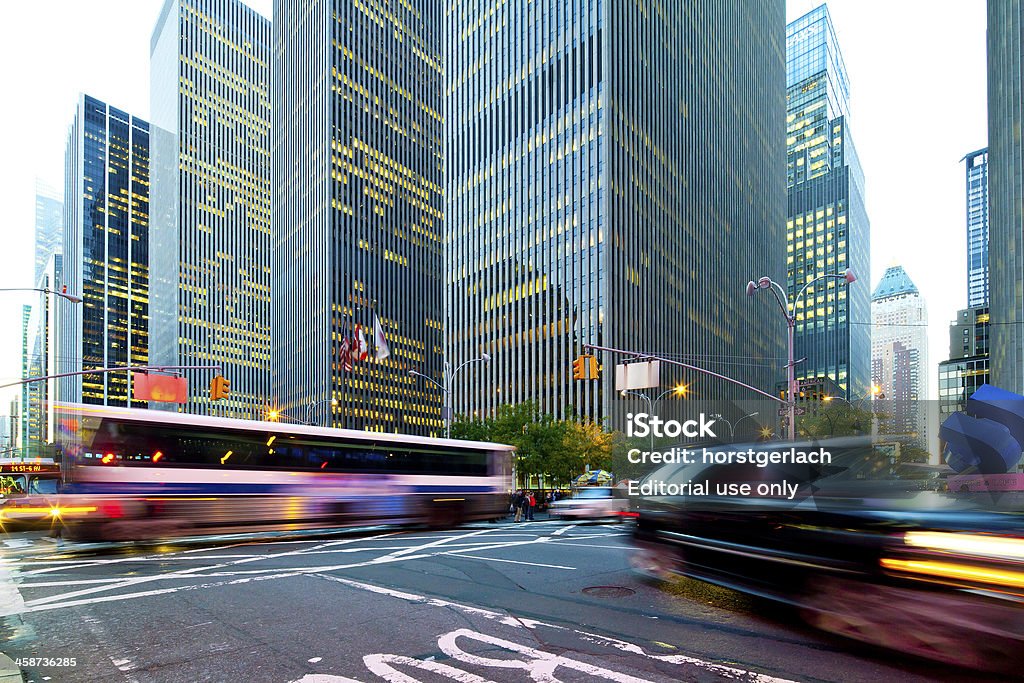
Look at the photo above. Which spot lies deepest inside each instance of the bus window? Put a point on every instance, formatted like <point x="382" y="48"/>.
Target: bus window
<point x="44" y="485"/>
<point x="12" y="485"/>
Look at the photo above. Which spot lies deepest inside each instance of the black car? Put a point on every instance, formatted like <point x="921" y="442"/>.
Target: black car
<point x="860" y="547"/>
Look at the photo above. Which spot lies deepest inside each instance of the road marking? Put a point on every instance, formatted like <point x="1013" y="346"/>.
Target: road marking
<point x="564" y="529"/>
<point x="11" y="601"/>
<point x="380" y="664"/>
<point x="542" y="668"/>
<point x="497" y="559"/>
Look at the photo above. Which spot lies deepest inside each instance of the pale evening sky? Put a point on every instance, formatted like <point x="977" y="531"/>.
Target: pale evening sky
<point x="917" y="80"/>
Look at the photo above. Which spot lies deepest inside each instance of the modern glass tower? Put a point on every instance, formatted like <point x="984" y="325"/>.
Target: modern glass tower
<point x="615" y="177"/>
<point x="49" y="227"/>
<point x="827" y="228"/>
<point x="977" y="228"/>
<point x="106" y="253"/>
<point x="358" y="210"/>
<point x="1006" y="192"/>
<point x="210" y="103"/>
<point x="37" y="428"/>
<point x="899" y="352"/>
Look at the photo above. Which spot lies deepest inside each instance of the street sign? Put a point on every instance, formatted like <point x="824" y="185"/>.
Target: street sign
<point x="796" y="411"/>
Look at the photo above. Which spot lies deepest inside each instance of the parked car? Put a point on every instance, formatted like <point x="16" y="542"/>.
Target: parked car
<point x="860" y="550"/>
<point x="590" y="502"/>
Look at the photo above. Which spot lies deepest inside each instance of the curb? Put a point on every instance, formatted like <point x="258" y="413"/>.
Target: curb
<point x="9" y="671"/>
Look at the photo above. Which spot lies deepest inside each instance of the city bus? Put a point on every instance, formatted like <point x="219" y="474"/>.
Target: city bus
<point x="132" y="474"/>
<point x="28" y="477"/>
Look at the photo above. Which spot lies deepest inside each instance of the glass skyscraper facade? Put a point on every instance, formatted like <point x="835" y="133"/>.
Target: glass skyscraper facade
<point x="210" y="103"/>
<point x="587" y="204"/>
<point x="49" y="227"/>
<point x="37" y="428"/>
<point x="899" y="353"/>
<point x="827" y="229"/>
<point x="106" y="253"/>
<point x="1005" y="39"/>
<point x="977" y="228"/>
<point x="359" y="164"/>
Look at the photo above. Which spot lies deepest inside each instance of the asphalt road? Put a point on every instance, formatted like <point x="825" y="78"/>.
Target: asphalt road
<point x="539" y="601"/>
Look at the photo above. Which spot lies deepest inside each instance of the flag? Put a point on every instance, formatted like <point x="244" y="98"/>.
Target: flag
<point x="361" y="350"/>
<point x="379" y="340"/>
<point x="345" y="353"/>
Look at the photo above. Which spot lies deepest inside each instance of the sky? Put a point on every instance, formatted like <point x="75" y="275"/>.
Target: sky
<point x="917" y="83"/>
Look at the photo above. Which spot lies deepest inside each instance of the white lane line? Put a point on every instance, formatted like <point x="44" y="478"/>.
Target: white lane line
<point x="128" y="583"/>
<point x="564" y="529"/>
<point x="497" y="559"/>
<point x="434" y="544"/>
<point x="62" y="600"/>
<point x="11" y="601"/>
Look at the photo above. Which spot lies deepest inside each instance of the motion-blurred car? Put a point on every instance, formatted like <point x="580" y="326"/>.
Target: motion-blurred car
<point x="861" y="551"/>
<point x="590" y="502"/>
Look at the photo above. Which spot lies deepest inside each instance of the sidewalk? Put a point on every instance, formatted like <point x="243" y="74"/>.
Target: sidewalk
<point x="9" y="671"/>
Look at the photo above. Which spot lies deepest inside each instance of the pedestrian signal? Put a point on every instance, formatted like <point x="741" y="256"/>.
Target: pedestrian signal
<point x="220" y="387"/>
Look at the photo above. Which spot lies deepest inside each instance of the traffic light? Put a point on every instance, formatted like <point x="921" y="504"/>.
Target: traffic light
<point x="219" y="387"/>
<point x="585" y="367"/>
<point x="578" y="369"/>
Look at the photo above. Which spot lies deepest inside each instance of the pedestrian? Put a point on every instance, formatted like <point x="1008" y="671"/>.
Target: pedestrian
<point x="531" y="504"/>
<point x="517" y="504"/>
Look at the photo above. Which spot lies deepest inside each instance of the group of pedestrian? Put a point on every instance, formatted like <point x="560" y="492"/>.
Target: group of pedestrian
<point x="523" y="505"/>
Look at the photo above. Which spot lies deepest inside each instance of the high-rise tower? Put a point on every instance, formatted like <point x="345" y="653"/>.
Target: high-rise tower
<point x="827" y="228"/>
<point x="358" y="210"/>
<point x="105" y="254"/>
<point x="1006" y="192"/>
<point x="977" y="228"/>
<point x="210" y="103"/>
<point x="615" y="177"/>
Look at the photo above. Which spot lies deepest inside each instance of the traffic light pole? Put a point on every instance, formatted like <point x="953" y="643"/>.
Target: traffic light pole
<point x="99" y="371"/>
<point x="669" y="361"/>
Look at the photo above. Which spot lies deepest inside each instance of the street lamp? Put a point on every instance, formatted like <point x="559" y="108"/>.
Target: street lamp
<point x="447" y="381"/>
<point x="314" y="404"/>
<point x="732" y="425"/>
<point x="789" y="311"/>
<point x="678" y="390"/>
<point x="45" y="290"/>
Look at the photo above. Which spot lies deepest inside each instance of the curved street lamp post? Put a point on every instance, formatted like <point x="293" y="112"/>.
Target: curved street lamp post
<point x="789" y="311"/>
<point x="314" y="404"/>
<point x="733" y="425"/>
<point x="447" y="381"/>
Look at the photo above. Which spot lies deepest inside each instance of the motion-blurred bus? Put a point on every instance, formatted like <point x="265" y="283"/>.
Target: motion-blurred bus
<point x="27" y="477"/>
<point x="135" y="474"/>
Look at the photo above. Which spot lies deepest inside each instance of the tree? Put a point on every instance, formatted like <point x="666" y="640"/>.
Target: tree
<point x="545" y="446"/>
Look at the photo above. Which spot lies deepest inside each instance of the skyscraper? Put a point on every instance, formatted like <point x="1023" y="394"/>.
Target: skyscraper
<point x="41" y="357"/>
<point x="977" y="228"/>
<point x="615" y="176"/>
<point x="358" y="225"/>
<point x="1006" y="192"/>
<point x="49" y="227"/>
<point x="899" y="352"/>
<point x="210" y="104"/>
<point x="106" y="253"/>
<point x="827" y="229"/>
